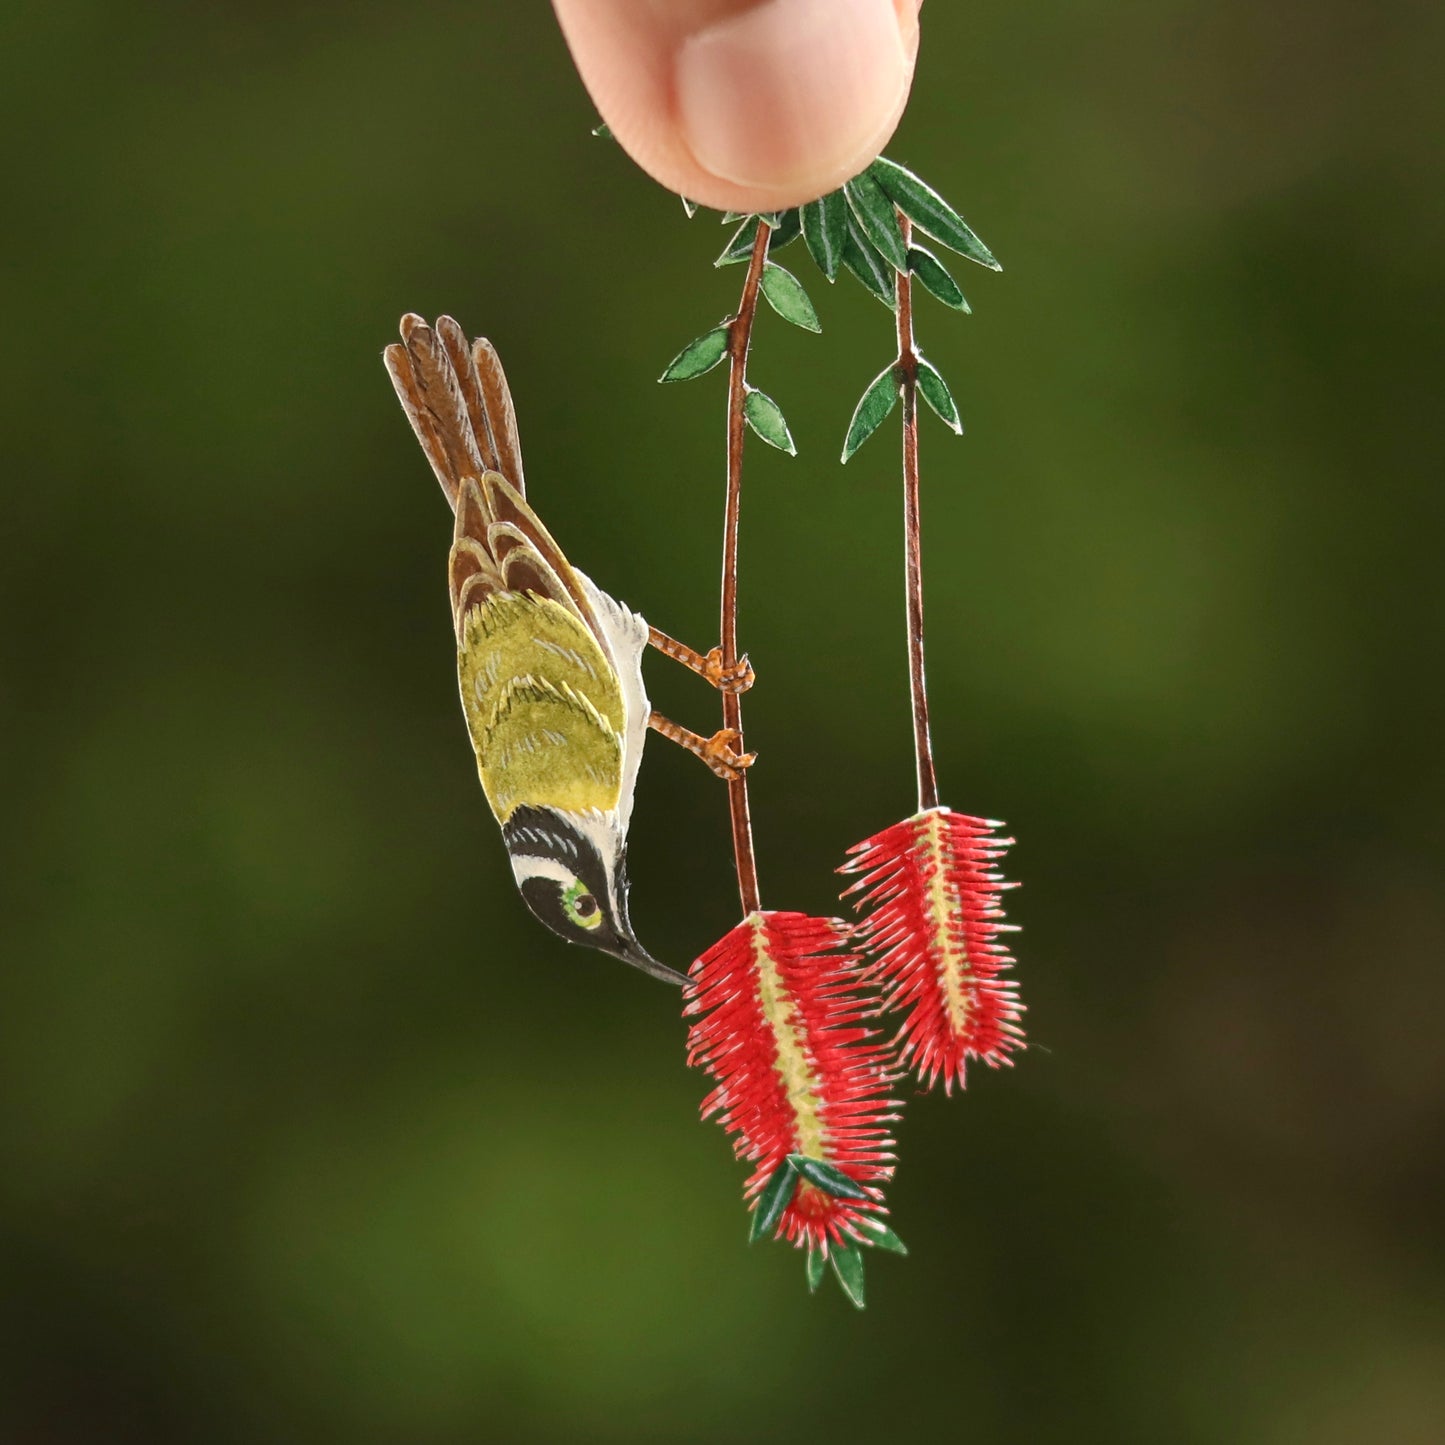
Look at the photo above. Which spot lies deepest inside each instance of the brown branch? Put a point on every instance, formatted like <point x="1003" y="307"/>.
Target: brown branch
<point x="912" y="535"/>
<point x="740" y="333"/>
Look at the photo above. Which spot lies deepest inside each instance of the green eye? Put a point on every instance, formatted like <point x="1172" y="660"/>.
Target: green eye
<point x="581" y="907"/>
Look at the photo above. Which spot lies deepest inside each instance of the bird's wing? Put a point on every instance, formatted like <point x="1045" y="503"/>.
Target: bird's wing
<point x="527" y="555"/>
<point x="544" y="706"/>
<point x="548" y="746"/>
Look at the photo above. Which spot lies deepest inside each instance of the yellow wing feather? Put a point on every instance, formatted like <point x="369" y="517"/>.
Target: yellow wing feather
<point x="544" y="706"/>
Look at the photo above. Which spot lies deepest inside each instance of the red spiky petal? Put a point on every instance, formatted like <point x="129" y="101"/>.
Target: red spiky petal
<point x="778" y="1027"/>
<point x="931" y="918"/>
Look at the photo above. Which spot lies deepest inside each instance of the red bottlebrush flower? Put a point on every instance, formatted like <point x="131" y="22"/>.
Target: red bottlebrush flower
<point x="799" y="1084"/>
<point x="930" y="901"/>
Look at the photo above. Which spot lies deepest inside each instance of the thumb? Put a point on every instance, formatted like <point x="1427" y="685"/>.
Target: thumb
<point x="746" y="105"/>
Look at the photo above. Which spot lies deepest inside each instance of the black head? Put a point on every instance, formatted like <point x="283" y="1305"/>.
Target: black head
<point x="564" y="879"/>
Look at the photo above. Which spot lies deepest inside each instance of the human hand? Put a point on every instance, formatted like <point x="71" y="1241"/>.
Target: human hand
<point x="747" y="105"/>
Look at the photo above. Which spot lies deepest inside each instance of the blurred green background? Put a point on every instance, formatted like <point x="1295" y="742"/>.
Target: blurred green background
<point x="308" y="1133"/>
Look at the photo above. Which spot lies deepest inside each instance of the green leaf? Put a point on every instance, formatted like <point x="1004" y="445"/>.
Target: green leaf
<point x="689" y="206"/>
<point x="817" y="1266"/>
<point x="874" y="211"/>
<point x="771" y="217"/>
<point x="786" y="296"/>
<point x="698" y="356"/>
<point x="775" y="1198"/>
<point x="929" y="211"/>
<point x="863" y="260"/>
<point x="740" y="245"/>
<point x="827" y="1177"/>
<point x="934" y="276"/>
<point x="825" y="227"/>
<point x="601" y="129"/>
<point x="872" y="409"/>
<point x="882" y="1237"/>
<point x="766" y="418"/>
<point x="848" y="1266"/>
<point x="937" y="395"/>
<point x="786" y="231"/>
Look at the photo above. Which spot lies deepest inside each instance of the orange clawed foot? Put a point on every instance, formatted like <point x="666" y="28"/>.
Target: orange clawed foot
<point x="719" y="751"/>
<point x="737" y="678"/>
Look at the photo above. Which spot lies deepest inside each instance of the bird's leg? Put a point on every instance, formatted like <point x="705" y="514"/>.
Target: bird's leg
<point x="717" y="751"/>
<point x="738" y="678"/>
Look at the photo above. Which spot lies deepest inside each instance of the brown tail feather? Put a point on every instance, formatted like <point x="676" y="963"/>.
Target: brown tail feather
<point x="434" y="402"/>
<point x="418" y="413"/>
<point x="458" y="402"/>
<point x="460" y="407"/>
<point x="469" y="382"/>
<point x="501" y="414"/>
<point x="444" y="397"/>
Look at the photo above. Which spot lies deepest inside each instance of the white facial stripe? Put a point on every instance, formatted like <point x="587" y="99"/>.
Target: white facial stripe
<point x="524" y="867"/>
<point x="557" y="841"/>
<point x="600" y="829"/>
<point x="534" y="849"/>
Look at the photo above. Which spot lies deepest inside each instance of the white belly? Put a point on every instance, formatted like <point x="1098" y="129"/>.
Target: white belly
<point x="625" y="635"/>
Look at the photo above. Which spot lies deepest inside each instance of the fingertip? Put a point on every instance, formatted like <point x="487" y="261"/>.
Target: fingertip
<point x="747" y="104"/>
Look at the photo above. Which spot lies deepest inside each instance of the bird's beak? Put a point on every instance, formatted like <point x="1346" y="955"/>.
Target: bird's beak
<point x="634" y="953"/>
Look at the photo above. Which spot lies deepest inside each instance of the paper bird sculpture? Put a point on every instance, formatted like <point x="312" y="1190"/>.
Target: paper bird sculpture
<point x="549" y="665"/>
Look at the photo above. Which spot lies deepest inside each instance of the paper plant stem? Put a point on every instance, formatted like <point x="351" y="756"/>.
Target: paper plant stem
<point x="739" y="335"/>
<point x="912" y="535"/>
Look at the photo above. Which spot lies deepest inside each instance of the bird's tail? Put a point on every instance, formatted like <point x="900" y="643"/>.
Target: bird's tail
<point x="458" y="402"/>
<point x="457" y="399"/>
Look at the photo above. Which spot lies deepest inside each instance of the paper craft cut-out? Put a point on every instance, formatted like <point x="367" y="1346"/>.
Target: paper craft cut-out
<point x="549" y="665"/>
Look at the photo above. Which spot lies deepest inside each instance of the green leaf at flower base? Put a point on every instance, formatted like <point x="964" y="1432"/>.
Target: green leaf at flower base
<point x="602" y="129"/>
<point x="786" y="296"/>
<point x="847" y="1260"/>
<point x="929" y="211"/>
<point x="827" y="1177"/>
<point x="776" y="1196"/>
<point x="765" y="417"/>
<point x="689" y="206"/>
<point x="863" y="260"/>
<point x="825" y="228"/>
<point x="934" y="277"/>
<point x="817" y="1268"/>
<point x="937" y="395"/>
<point x="698" y="356"/>
<point x="872" y="409"/>
<point x="880" y="1236"/>
<point x="874" y="212"/>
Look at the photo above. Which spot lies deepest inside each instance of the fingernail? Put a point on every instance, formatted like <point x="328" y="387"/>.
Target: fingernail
<point x="792" y="92"/>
